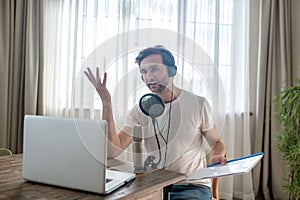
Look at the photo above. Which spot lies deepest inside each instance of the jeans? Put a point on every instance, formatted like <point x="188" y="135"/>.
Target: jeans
<point x="189" y="191"/>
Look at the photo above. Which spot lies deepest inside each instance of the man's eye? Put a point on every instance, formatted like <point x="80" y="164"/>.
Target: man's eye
<point x="154" y="69"/>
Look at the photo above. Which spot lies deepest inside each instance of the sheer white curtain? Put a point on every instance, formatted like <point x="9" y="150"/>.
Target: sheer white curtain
<point x="208" y="38"/>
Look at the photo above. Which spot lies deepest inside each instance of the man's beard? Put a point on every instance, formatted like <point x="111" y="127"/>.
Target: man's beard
<point x="161" y="85"/>
<point x="159" y="90"/>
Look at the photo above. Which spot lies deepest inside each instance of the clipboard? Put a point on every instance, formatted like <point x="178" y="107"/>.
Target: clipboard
<point x="235" y="166"/>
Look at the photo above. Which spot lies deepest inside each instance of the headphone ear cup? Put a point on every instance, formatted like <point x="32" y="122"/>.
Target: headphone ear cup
<point x="172" y="70"/>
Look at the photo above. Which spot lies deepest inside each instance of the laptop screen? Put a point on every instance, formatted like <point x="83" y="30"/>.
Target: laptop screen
<point x="65" y="152"/>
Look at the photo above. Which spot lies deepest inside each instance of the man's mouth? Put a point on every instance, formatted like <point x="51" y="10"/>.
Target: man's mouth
<point x="153" y="85"/>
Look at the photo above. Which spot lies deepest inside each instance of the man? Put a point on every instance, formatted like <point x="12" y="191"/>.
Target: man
<point x="186" y="120"/>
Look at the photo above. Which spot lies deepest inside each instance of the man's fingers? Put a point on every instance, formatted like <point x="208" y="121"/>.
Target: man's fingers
<point x="90" y="71"/>
<point x="223" y="161"/>
<point x="96" y="81"/>
<point x="91" y="76"/>
<point x="88" y="76"/>
<point x="98" y="78"/>
<point x="104" y="79"/>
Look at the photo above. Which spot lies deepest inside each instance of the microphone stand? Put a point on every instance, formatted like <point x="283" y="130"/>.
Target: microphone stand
<point x="150" y="159"/>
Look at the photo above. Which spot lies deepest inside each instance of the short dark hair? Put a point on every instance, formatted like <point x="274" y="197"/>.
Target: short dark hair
<point x="167" y="57"/>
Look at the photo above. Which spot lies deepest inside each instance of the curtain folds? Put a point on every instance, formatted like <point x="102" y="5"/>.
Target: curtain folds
<point x="237" y="129"/>
<point x="274" y="70"/>
<point x="21" y="68"/>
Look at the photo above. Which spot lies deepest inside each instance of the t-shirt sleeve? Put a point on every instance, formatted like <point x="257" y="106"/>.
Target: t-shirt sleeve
<point x="207" y="122"/>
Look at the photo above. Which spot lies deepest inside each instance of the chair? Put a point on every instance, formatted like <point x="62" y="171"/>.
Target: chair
<point x="215" y="188"/>
<point x="215" y="182"/>
<point x="5" y="152"/>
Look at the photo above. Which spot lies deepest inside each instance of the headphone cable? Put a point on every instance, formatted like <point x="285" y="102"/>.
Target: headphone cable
<point x="169" y="124"/>
<point x="168" y="132"/>
<point x="158" y="144"/>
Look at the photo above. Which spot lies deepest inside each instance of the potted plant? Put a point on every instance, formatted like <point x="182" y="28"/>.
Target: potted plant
<point x="288" y="139"/>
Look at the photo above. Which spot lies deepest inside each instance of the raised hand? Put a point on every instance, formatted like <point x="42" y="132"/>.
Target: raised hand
<point x="99" y="85"/>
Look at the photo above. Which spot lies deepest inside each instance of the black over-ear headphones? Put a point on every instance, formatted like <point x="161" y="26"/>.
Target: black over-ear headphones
<point x="168" y="58"/>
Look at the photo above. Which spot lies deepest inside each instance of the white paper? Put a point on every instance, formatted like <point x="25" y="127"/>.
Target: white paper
<point x="236" y="166"/>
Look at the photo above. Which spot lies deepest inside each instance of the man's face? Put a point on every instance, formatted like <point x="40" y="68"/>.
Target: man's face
<point x="155" y="73"/>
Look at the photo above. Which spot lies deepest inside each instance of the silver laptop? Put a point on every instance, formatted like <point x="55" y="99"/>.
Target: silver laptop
<point x="69" y="153"/>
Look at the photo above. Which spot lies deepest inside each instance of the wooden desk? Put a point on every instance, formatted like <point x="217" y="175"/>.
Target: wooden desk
<point x="145" y="186"/>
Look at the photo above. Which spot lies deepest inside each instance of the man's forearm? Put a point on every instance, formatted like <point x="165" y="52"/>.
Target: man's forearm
<point x="219" y="149"/>
<point x="218" y="153"/>
<point x="112" y="133"/>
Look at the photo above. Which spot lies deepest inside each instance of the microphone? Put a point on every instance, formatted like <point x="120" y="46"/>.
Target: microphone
<point x="153" y="106"/>
<point x="138" y="150"/>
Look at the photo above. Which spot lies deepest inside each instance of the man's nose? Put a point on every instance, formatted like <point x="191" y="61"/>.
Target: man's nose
<point x="148" y="76"/>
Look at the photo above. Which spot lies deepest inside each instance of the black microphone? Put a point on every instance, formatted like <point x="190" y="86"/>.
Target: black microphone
<point x="153" y="106"/>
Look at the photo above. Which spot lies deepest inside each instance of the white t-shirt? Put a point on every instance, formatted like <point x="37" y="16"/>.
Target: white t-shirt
<point x="190" y="116"/>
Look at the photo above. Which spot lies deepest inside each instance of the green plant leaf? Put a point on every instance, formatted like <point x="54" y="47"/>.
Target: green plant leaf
<point x="288" y="138"/>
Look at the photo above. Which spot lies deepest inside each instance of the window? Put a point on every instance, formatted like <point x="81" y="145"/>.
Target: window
<point x="76" y="29"/>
